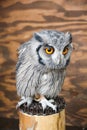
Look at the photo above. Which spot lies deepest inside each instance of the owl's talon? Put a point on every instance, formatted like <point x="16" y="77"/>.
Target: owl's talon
<point x="44" y="102"/>
<point x="51" y="101"/>
<point x="23" y="100"/>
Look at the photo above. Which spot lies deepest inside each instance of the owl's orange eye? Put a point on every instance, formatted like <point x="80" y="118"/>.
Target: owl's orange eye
<point x="65" y="51"/>
<point x="49" y="50"/>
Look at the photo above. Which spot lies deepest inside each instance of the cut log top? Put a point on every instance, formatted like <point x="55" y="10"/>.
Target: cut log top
<point x="36" y="109"/>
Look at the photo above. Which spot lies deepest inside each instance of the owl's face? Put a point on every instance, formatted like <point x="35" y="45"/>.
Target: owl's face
<point x="52" y="49"/>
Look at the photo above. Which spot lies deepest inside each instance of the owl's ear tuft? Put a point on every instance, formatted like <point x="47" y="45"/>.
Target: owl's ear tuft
<point x="38" y="37"/>
<point x="68" y="37"/>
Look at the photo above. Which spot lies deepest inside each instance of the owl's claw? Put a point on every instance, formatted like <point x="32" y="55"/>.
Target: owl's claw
<point x="44" y="102"/>
<point x="23" y="100"/>
<point x="51" y="101"/>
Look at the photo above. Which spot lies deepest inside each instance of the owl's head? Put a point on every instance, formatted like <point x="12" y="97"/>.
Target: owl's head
<point x="51" y="49"/>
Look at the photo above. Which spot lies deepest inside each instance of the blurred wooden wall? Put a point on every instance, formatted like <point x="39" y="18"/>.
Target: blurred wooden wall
<point x="19" y="19"/>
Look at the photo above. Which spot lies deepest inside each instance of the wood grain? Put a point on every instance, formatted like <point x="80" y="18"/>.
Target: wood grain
<point x="52" y="122"/>
<point x="19" y="19"/>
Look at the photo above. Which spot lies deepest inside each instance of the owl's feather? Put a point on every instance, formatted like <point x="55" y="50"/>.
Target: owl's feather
<point x="37" y="72"/>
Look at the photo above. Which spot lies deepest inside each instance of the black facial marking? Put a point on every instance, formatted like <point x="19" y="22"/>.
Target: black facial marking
<point x="39" y="58"/>
<point x="67" y="62"/>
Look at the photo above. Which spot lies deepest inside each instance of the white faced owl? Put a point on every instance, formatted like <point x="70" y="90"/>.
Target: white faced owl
<point x="41" y="66"/>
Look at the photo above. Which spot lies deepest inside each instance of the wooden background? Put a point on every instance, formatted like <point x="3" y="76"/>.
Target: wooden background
<point x="19" y="19"/>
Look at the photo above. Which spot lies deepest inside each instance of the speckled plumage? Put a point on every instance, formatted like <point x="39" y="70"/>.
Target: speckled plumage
<point x="37" y="72"/>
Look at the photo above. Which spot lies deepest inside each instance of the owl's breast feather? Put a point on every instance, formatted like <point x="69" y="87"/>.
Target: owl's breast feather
<point x="51" y="83"/>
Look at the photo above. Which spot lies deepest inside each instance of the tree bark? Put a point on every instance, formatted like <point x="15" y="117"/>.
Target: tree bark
<point x="44" y="122"/>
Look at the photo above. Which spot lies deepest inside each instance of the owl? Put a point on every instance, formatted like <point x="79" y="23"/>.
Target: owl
<point x="41" y="67"/>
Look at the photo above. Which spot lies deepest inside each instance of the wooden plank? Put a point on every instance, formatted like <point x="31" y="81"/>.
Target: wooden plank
<point x="18" y="20"/>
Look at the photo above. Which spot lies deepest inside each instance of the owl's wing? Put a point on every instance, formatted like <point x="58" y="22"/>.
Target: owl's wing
<point x="24" y="74"/>
<point x="22" y="48"/>
<point x="21" y="52"/>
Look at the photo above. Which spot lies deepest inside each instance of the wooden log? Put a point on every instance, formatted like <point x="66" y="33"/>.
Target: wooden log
<point x="45" y="122"/>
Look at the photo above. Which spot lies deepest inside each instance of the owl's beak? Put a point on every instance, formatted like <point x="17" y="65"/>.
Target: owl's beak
<point x="56" y="61"/>
<point x="56" y="58"/>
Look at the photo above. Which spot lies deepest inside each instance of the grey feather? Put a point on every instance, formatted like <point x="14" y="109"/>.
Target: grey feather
<point x="38" y="72"/>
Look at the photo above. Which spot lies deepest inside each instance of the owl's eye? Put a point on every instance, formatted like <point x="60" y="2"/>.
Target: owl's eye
<point x="49" y="50"/>
<point x="65" y="51"/>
